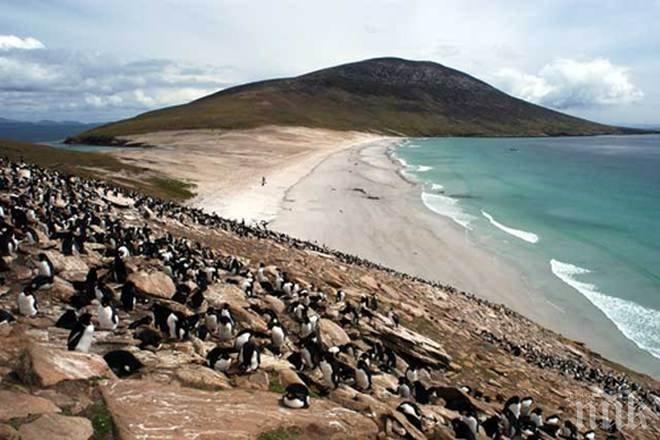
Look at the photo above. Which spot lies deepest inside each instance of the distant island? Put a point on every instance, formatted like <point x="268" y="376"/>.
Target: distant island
<point x="41" y="131"/>
<point x="389" y="96"/>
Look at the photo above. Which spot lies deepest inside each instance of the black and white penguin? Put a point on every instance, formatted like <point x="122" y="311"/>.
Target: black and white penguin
<point x="45" y="272"/>
<point x="462" y="429"/>
<point x="219" y="359"/>
<point x="551" y="426"/>
<point x="340" y="296"/>
<point x="226" y="312"/>
<point x="176" y="326"/>
<point x="123" y="363"/>
<point x="67" y="320"/>
<point x="211" y="320"/>
<point x="249" y="356"/>
<point x="27" y="302"/>
<point x="6" y="317"/>
<point x="412" y="374"/>
<point x="225" y="328"/>
<point x="296" y="396"/>
<point x="82" y="335"/>
<point x="330" y="377"/>
<point x="536" y="418"/>
<point x="277" y="336"/>
<point x="363" y="376"/>
<point x="589" y="435"/>
<point x="128" y="296"/>
<point x="404" y="389"/>
<point x="526" y="406"/>
<point x="107" y="315"/>
<point x="412" y="413"/>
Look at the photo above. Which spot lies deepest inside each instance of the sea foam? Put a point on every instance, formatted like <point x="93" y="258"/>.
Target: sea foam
<point x="529" y="237"/>
<point x="448" y="207"/>
<point x="637" y="323"/>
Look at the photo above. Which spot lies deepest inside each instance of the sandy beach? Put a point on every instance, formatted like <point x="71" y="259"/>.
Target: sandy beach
<point x="228" y="177"/>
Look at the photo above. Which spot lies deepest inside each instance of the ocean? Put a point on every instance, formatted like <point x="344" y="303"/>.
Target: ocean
<point x="579" y="216"/>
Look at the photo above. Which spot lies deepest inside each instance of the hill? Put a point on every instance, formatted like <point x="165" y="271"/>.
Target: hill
<point x="384" y="95"/>
<point x="42" y="131"/>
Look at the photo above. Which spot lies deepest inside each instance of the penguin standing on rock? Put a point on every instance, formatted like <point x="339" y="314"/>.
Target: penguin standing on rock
<point x="277" y="336"/>
<point x="27" y="302"/>
<point x="296" y="396"/>
<point x="107" y="316"/>
<point x="45" y="272"/>
<point x="412" y="413"/>
<point x="80" y="338"/>
<point x="249" y="357"/>
<point x="362" y="376"/>
<point x="128" y="296"/>
<point x="219" y="359"/>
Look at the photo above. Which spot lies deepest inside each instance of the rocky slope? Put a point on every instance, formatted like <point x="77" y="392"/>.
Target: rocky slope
<point x="463" y="358"/>
<point x="384" y="95"/>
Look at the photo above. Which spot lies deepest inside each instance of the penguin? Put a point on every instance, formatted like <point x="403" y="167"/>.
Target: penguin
<point x="82" y="335"/>
<point x="176" y="328"/>
<point x="330" y="378"/>
<point x="6" y="317"/>
<point x="122" y="362"/>
<point x="211" y="320"/>
<point x="536" y="418"/>
<point x="249" y="357"/>
<point x="128" y="296"/>
<point x="226" y="312"/>
<point x="471" y="420"/>
<point x="27" y="302"/>
<point x="589" y="435"/>
<point x="526" y="406"/>
<point x="462" y="429"/>
<point x="45" y="272"/>
<point x="219" y="359"/>
<point x="225" y="328"/>
<point x="340" y="296"/>
<point x="551" y="426"/>
<point x="277" y="336"/>
<point x="404" y="389"/>
<point x="412" y="413"/>
<point x="67" y="320"/>
<point x="107" y="315"/>
<point x="363" y="376"/>
<point x="296" y="396"/>
<point x="491" y="425"/>
<point x="412" y="374"/>
<point x="241" y="338"/>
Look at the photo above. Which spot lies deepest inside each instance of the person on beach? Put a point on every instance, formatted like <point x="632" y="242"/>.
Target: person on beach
<point x="263" y="180"/>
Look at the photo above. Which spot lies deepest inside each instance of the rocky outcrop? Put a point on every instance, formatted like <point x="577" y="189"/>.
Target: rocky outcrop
<point x="157" y="284"/>
<point x="19" y="405"/>
<point x="140" y="409"/>
<point x="46" y="366"/>
<point x="332" y="334"/>
<point x="57" y="427"/>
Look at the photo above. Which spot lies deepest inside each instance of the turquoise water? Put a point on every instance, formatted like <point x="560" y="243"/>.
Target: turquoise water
<point x="581" y="211"/>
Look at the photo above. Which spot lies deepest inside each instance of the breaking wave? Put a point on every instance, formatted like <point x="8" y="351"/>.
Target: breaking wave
<point x="529" y="237"/>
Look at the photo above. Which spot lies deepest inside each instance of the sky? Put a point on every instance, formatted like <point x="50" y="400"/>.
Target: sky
<point x="101" y="61"/>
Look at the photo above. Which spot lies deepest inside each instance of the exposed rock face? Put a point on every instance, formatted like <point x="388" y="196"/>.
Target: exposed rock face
<point x="157" y="284"/>
<point x="332" y="334"/>
<point x="64" y="263"/>
<point x="19" y="405"/>
<point x="57" y="427"/>
<point x="142" y="409"/>
<point x="197" y="376"/>
<point x="46" y="366"/>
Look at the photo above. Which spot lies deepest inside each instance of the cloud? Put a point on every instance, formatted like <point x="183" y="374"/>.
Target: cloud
<point x="566" y="83"/>
<point x="62" y="84"/>
<point x="9" y="42"/>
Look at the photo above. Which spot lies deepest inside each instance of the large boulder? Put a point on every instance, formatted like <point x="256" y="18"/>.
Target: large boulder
<point x="46" y="366"/>
<point x="332" y="334"/>
<point x="157" y="284"/>
<point x="142" y="409"/>
<point x="57" y="427"/>
<point x="19" y="405"/>
<point x="63" y="263"/>
<point x="201" y="377"/>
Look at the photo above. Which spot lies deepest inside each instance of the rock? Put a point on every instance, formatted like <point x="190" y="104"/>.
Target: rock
<point x="332" y="334"/>
<point x="142" y="409"/>
<point x="62" y="290"/>
<point x="157" y="284"/>
<point x="46" y="366"/>
<point x="413" y="345"/>
<point x="288" y="377"/>
<point x="119" y="201"/>
<point x="64" y="263"/>
<point x="57" y="427"/>
<point x="20" y="405"/>
<point x="258" y="380"/>
<point x="8" y="433"/>
<point x="203" y="378"/>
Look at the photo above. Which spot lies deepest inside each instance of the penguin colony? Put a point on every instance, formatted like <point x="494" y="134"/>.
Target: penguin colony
<point x="37" y="204"/>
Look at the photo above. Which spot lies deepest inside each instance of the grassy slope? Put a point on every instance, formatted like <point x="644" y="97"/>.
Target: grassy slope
<point x="383" y="95"/>
<point x="96" y="165"/>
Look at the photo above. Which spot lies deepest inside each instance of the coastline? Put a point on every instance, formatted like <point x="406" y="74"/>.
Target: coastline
<point x="359" y="200"/>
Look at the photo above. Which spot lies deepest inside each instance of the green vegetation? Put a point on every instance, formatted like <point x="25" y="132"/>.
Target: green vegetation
<point x="386" y="95"/>
<point x="97" y="166"/>
<point x="281" y="434"/>
<point x="274" y="384"/>
<point x="101" y="420"/>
